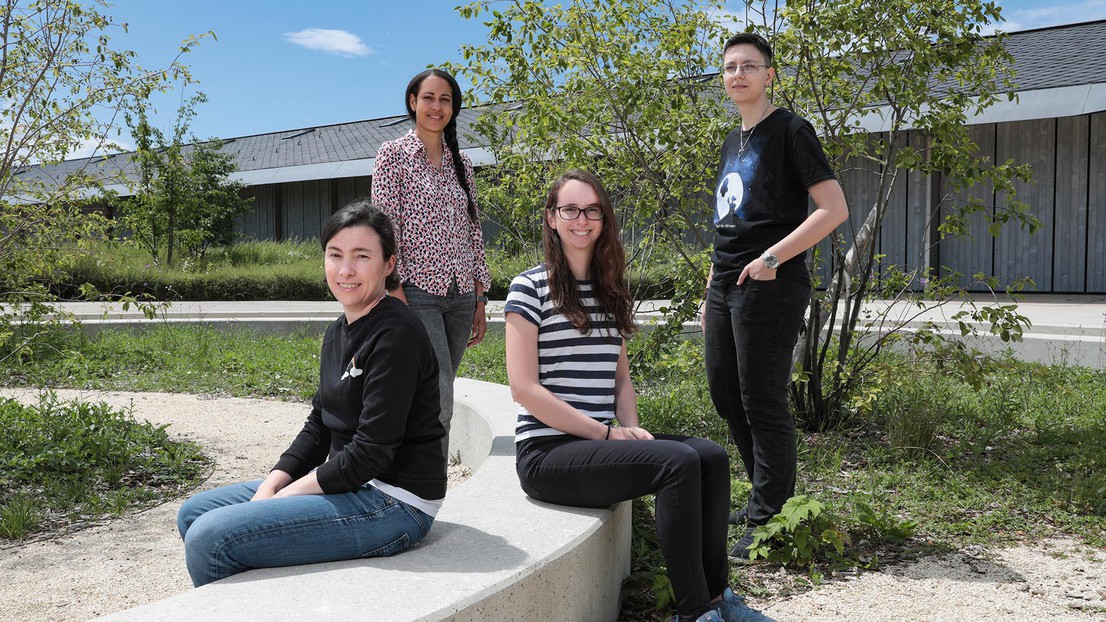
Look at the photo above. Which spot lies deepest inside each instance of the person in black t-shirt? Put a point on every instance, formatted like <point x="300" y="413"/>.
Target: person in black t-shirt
<point x="759" y="288"/>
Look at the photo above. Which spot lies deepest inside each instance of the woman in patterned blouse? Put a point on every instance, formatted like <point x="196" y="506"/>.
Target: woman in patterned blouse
<point x="425" y="184"/>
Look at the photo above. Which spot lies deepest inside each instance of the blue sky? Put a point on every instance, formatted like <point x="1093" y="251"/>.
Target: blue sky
<point x="283" y="64"/>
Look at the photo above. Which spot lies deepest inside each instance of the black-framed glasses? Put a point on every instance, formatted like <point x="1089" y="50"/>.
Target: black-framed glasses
<point x="571" y="212"/>
<point x="744" y="69"/>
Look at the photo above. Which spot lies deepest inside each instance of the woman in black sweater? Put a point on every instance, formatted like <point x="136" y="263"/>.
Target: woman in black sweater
<point x="367" y="473"/>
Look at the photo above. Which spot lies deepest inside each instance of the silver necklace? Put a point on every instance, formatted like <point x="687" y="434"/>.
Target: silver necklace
<point x="743" y="141"/>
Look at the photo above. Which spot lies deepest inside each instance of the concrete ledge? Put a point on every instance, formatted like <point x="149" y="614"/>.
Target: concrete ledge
<point x="493" y="553"/>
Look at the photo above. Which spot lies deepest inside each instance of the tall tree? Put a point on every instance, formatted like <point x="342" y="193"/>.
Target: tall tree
<point x="61" y="83"/>
<point x="628" y="89"/>
<point x="920" y="69"/>
<point x="616" y="86"/>
<point x="184" y="200"/>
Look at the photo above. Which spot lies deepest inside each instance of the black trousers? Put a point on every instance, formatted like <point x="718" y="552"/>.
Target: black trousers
<point x="750" y="331"/>
<point x="689" y="476"/>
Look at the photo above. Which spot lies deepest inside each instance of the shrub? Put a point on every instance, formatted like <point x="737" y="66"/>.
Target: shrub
<point x="63" y="461"/>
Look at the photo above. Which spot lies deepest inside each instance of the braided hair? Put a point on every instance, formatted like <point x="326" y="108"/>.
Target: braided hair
<point x="450" y="132"/>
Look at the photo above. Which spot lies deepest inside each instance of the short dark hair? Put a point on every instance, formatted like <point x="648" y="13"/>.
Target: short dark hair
<point x="362" y="213"/>
<point x="753" y="39"/>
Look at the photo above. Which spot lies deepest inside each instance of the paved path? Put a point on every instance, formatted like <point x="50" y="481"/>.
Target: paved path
<point x="1065" y="329"/>
<point x="1049" y="313"/>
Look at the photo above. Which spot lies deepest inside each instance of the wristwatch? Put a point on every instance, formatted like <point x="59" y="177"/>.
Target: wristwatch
<point x="483" y="299"/>
<point x="770" y="261"/>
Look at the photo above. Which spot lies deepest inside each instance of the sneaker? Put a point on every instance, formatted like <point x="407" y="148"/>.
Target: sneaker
<point x="740" y="550"/>
<point x="711" y="615"/>
<point x="732" y="608"/>
<point x="739" y="517"/>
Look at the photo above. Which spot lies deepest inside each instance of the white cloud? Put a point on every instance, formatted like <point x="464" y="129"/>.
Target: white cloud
<point x="337" y="42"/>
<point x="1034" y="16"/>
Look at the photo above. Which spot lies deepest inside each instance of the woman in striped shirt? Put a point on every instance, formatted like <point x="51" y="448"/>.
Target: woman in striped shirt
<point x="567" y="321"/>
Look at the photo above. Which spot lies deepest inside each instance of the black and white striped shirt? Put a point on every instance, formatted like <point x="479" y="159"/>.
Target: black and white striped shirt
<point x="576" y="367"/>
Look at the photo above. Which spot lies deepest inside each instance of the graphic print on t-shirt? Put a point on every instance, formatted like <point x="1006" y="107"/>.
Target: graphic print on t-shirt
<point x="351" y="370"/>
<point x="730" y="195"/>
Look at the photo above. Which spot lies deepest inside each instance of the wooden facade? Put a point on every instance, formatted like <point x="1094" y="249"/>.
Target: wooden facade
<point x="1067" y="195"/>
<point x="297" y="210"/>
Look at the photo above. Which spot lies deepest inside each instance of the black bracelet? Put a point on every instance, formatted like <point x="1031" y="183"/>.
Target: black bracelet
<point x="483" y="299"/>
<point x="608" y="436"/>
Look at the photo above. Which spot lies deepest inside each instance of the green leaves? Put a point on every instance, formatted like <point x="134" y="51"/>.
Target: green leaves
<point x="799" y="535"/>
<point x="64" y="460"/>
<point x="614" y="87"/>
<point x="185" y="202"/>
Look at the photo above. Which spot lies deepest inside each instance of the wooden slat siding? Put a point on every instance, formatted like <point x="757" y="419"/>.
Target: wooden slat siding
<point x="1019" y="254"/>
<point x="860" y="178"/>
<point x="292" y="201"/>
<point x="919" y="212"/>
<point x="974" y="254"/>
<point x="316" y="199"/>
<point x="363" y="188"/>
<point x="1096" y="223"/>
<point x="1069" y="262"/>
<point x="245" y="225"/>
<point x="267" y="214"/>
<point x="893" y="232"/>
<point x="257" y="224"/>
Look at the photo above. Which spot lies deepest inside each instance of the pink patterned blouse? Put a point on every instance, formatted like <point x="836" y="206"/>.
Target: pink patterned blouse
<point x="436" y="239"/>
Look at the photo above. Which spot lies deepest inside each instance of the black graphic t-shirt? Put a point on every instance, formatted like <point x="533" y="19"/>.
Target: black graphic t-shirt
<point x="761" y="192"/>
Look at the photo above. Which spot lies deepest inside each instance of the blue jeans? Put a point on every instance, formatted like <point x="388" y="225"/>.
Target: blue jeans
<point x="691" y="480"/>
<point x="448" y="322"/>
<point x="750" y="331"/>
<point x="224" y="533"/>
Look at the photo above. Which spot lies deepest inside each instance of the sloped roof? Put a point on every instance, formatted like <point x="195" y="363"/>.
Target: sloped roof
<point x="321" y="152"/>
<point x="1061" y="71"/>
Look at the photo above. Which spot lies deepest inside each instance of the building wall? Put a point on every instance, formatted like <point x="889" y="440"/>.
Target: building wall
<point x="1067" y="194"/>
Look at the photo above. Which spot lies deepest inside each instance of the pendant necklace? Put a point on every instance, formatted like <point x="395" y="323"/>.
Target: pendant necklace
<point x="743" y="141"/>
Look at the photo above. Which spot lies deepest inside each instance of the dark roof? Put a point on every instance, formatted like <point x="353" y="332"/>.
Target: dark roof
<point x="342" y="142"/>
<point x="1059" y="56"/>
<point x="1045" y="58"/>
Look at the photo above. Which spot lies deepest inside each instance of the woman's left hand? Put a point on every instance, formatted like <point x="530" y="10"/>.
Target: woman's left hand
<point x="479" y="325"/>
<point x="630" y="433"/>
<point x="757" y="271"/>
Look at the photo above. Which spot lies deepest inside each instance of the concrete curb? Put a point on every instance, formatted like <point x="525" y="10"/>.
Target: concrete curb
<point x="493" y="553"/>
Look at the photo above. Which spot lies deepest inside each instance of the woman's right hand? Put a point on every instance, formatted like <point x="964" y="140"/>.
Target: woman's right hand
<point x="271" y="485"/>
<point x="630" y="433"/>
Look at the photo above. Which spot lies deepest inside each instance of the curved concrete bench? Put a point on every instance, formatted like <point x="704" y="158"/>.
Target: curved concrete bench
<point x="493" y="553"/>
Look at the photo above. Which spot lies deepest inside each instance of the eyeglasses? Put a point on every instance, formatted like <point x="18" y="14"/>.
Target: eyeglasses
<point x="571" y="212"/>
<point x="744" y="69"/>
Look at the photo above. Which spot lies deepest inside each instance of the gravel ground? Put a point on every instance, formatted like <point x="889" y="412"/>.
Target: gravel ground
<point x="137" y="559"/>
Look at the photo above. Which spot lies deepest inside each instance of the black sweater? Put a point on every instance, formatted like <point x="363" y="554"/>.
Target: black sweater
<point x="376" y="412"/>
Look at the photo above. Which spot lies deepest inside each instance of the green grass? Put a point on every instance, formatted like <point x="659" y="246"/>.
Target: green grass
<point x="244" y="271"/>
<point x="1017" y="458"/>
<point x="182" y="359"/>
<point x="67" y="462"/>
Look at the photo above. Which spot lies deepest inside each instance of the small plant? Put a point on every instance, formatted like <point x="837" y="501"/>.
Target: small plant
<point x="883" y="525"/>
<point x="800" y="534"/>
<point x="62" y="462"/>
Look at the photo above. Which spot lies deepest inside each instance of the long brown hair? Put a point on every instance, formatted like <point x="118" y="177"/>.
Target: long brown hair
<point x="608" y="264"/>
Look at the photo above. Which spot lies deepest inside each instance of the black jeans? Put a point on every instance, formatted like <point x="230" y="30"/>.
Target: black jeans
<point x="750" y="331"/>
<point x="689" y="476"/>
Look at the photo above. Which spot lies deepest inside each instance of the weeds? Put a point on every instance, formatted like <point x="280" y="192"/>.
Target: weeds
<point x="1019" y="457"/>
<point x="62" y="462"/>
